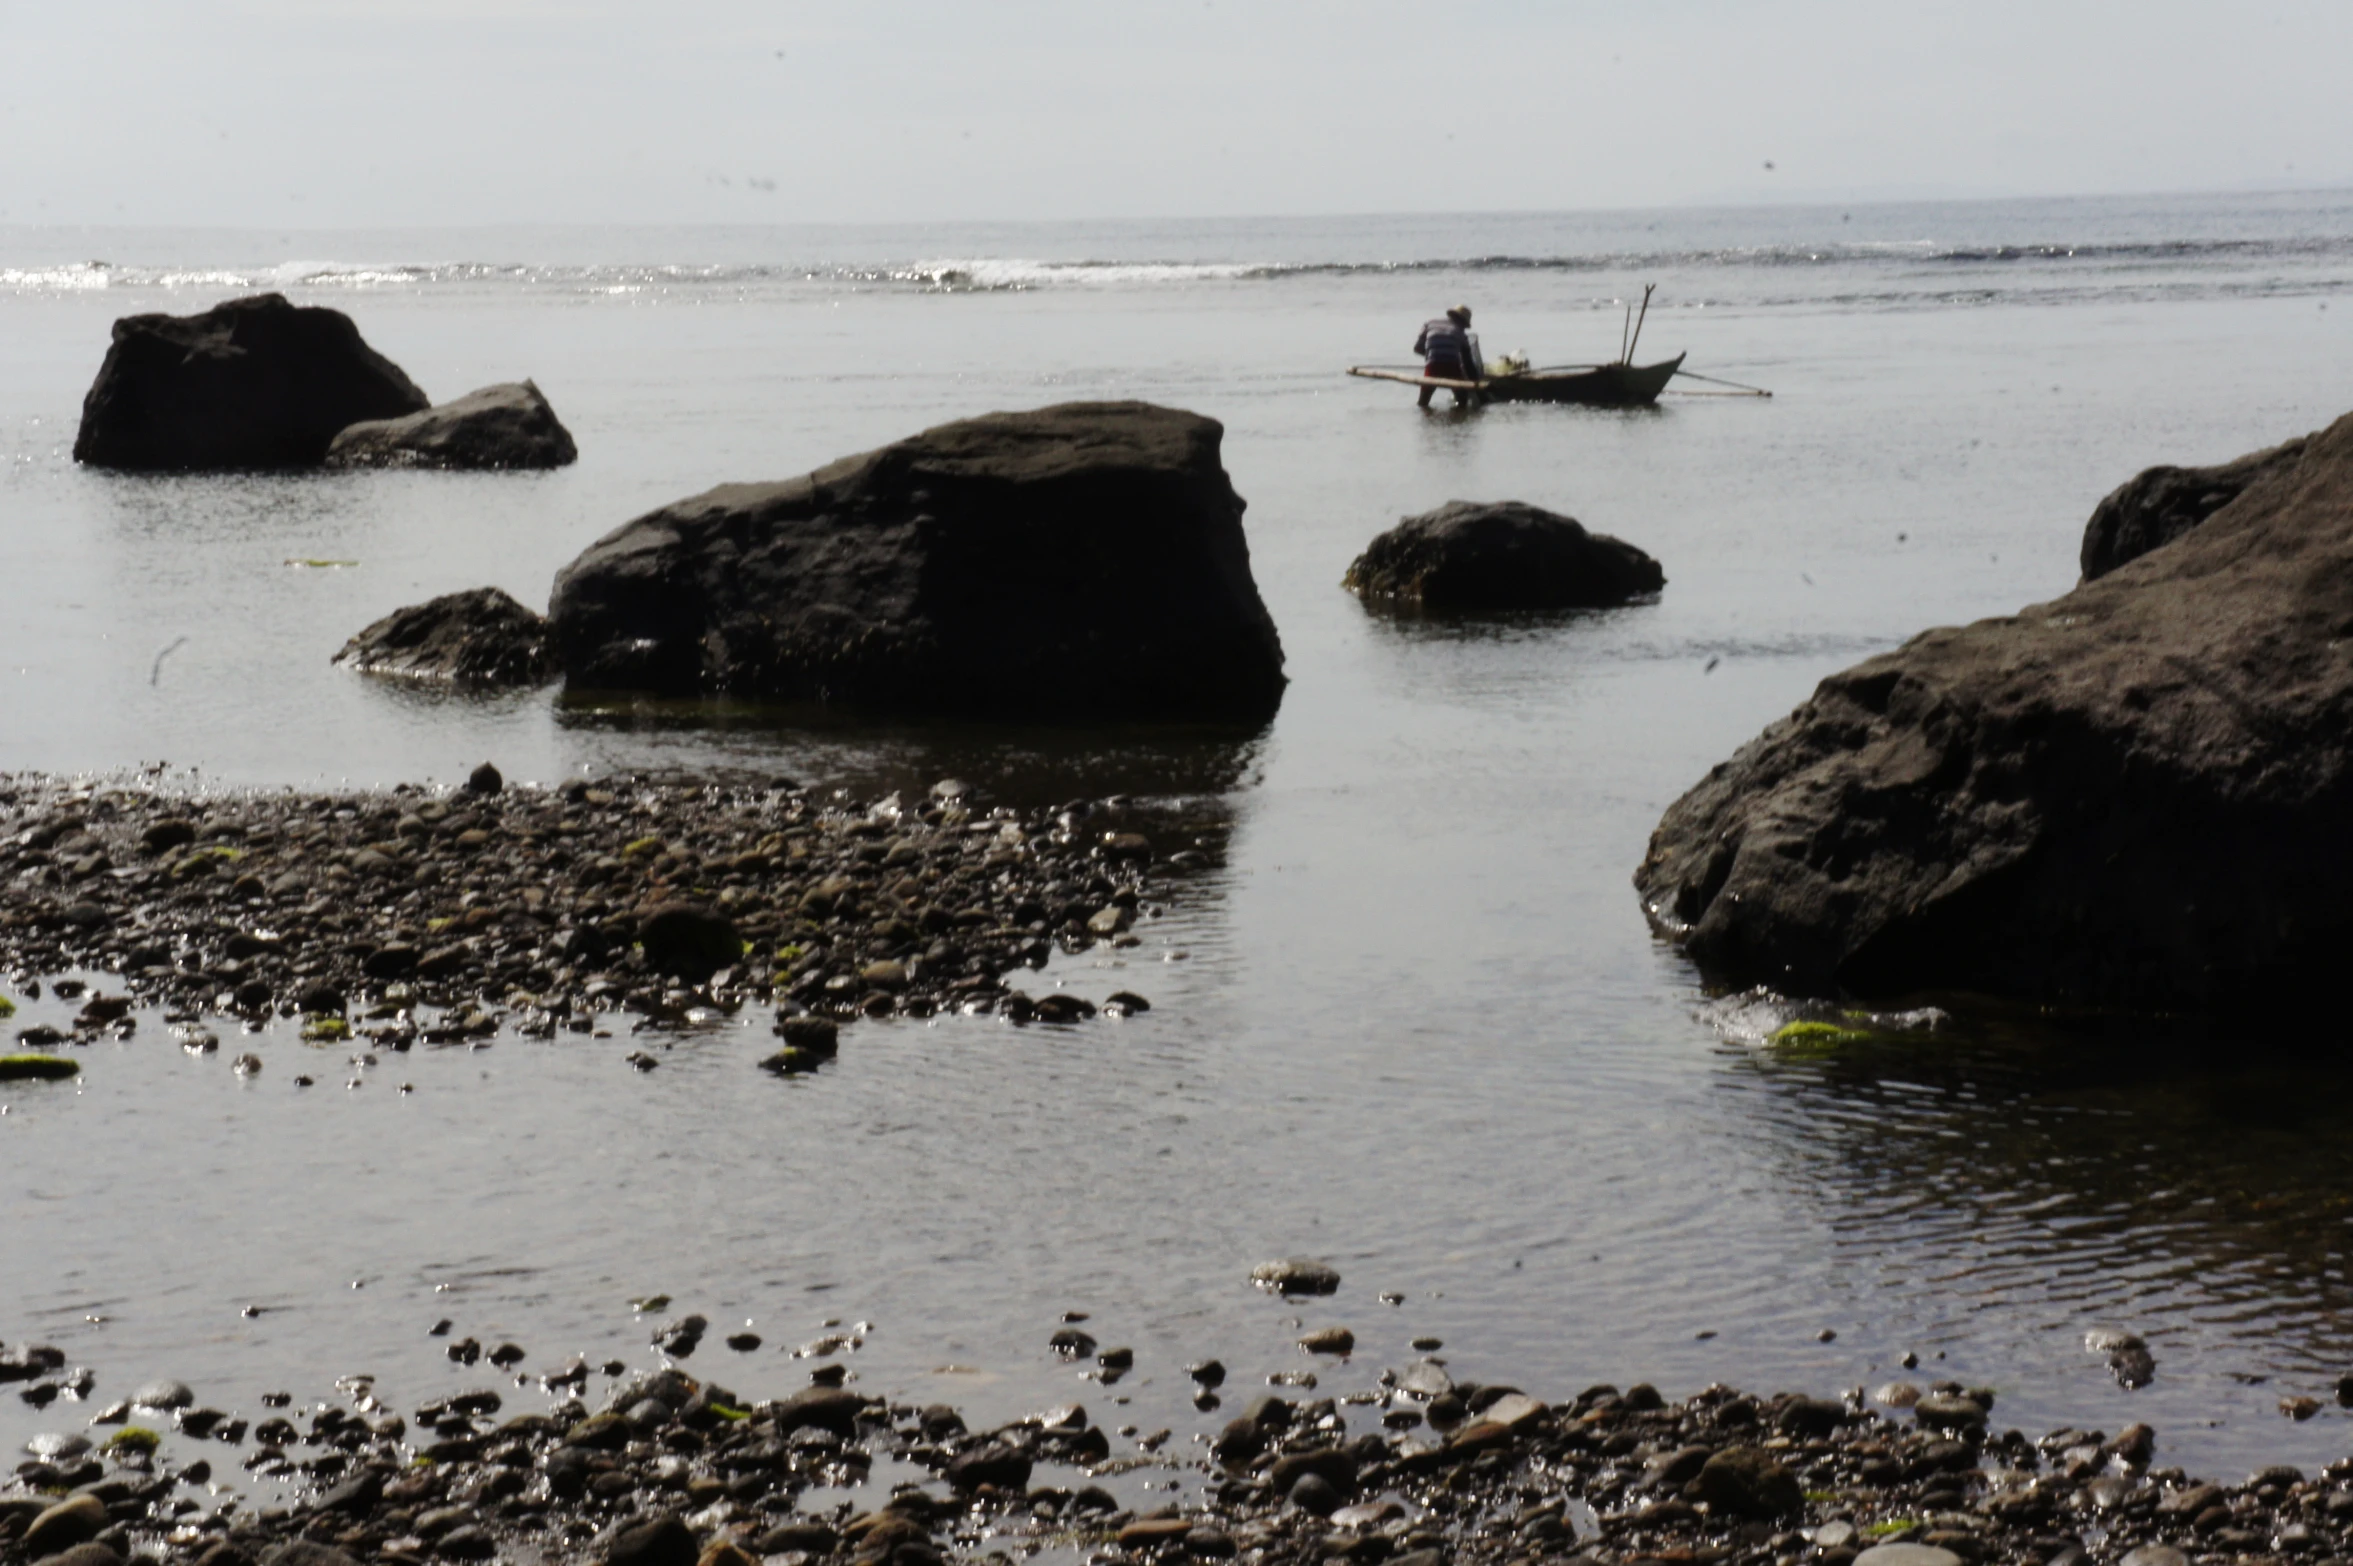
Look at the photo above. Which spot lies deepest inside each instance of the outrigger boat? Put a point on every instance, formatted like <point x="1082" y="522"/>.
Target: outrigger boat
<point x="1619" y="384"/>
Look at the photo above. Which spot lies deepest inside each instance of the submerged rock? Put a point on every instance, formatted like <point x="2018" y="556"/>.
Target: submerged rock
<point x="250" y="383"/>
<point x="2139" y="794"/>
<point x="506" y="426"/>
<point x="1507" y="555"/>
<point x="480" y="639"/>
<point x="1081" y="562"/>
<point x="2160" y="504"/>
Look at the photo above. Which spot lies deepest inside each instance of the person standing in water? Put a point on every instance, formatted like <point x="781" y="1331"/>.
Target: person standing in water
<point x="1450" y="352"/>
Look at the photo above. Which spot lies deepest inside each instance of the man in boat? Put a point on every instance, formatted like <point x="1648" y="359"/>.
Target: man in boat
<point x="1450" y="352"/>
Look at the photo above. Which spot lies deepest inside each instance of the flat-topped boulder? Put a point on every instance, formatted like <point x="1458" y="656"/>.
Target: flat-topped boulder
<point x="2137" y="795"/>
<point x="507" y="426"/>
<point x="2160" y="504"/>
<point x="480" y="640"/>
<point x="251" y="383"/>
<point x="1466" y="557"/>
<point x="1084" y="562"/>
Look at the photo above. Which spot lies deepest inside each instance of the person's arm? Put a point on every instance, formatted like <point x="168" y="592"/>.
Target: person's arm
<point x="1421" y="342"/>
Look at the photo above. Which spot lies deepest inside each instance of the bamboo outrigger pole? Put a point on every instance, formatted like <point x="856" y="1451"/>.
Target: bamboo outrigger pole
<point x="1628" y="356"/>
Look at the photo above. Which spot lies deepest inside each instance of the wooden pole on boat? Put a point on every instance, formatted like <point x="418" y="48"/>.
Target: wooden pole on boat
<point x="1623" y="350"/>
<point x="1646" y="288"/>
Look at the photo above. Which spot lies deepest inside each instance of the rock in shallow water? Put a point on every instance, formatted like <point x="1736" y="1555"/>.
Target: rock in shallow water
<point x="1295" y="1276"/>
<point x="1506" y="555"/>
<point x="1080" y="562"/>
<point x="250" y="383"/>
<point x="2139" y="794"/>
<point x="506" y="426"/>
<point x="480" y="639"/>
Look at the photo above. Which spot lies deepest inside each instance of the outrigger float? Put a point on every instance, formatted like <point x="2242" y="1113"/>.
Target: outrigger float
<point x="1619" y="384"/>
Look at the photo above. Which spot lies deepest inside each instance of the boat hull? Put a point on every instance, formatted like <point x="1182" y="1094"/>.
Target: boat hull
<point x="1606" y="386"/>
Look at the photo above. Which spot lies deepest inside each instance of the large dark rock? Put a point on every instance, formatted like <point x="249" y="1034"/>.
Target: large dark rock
<point x="1077" y="562"/>
<point x="481" y="639"/>
<point x="2160" y="504"/>
<point x="2139" y="794"/>
<point x="252" y="383"/>
<point x="689" y="942"/>
<point x="509" y="426"/>
<point x="1507" y="555"/>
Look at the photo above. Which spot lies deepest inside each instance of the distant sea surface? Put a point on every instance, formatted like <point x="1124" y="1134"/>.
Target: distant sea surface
<point x="1414" y="1025"/>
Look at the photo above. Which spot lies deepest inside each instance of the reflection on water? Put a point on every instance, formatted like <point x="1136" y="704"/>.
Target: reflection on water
<point x="2047" y="1177"/>
<point x="1006" y="764"/>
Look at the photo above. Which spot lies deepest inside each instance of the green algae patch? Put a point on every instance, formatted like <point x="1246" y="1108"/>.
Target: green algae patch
<point x="204" y="861"/>
<point x="1886" y="1526"/>
<point x="37" y="1068"/>
<point x="301" y="564"/>
<point x="134" y="1438"/>
<point x="325" y="1030"/>
<point x="1811" y="1040"/>
<point x="731" y="1415"/>
<point x="642" y="848"/>
<point x="7" y="1007"/>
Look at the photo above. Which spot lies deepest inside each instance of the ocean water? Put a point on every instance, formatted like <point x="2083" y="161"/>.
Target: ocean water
<point x="1414" y="1024"/>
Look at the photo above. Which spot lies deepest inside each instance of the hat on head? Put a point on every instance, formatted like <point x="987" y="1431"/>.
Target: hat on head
<point x="1460" y="315"/>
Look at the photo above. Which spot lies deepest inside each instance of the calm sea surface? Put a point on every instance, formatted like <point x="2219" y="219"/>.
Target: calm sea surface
<point x="1415" y="1025"/>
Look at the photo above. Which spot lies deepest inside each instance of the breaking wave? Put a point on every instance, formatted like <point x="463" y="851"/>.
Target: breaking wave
<point x="1909" y="266"/>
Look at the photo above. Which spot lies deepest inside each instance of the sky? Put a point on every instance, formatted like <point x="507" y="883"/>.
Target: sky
<point x="356" y="113"/>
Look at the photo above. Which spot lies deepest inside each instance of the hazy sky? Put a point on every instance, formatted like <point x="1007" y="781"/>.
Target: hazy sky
<point x="346" y="112"/>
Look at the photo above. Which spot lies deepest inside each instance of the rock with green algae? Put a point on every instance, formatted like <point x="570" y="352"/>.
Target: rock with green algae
<point x="7" y="1007"/>
<point x="325" y="1030"/>
<point x="37" y="1068"/>
<point x="1813" y="1037"/>
<point x="794" y="1059"/>
<point x="134" y="1438"/>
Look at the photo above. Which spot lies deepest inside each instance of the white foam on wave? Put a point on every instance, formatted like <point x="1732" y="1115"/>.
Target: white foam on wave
<point x="80" y="277"/>
<point x="1015" y="273"/>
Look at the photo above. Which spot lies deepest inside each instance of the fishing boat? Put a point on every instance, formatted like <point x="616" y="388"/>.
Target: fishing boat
<point x="1619" y="384"/>
<point x="1597" y="386"/>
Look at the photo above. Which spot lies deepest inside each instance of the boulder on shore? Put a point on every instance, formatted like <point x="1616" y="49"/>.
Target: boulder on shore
<point x="480" y="639"/>
<point x="507" y="426"/>
<point x="251" y="383"/>
<point x="1505" y="555"/>
<point x="2159" y="505"/>
<point x="1080" y="562"/>
<point x="2137" y="795"/>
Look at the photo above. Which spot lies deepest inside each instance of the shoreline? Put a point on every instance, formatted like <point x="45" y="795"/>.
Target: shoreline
<point x="661" y="1468"/>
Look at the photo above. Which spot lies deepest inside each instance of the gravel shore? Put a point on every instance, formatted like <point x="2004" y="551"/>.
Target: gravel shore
<point x="443" y="915"/>
<point x="1416" y="1469"/>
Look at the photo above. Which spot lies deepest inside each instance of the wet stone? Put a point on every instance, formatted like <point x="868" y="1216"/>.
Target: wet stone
<point x="1296" y="1276"/>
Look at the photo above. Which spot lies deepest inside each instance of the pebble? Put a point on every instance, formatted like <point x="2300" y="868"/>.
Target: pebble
<point x="1907" y="1555"/>
<point x="164" y="1395"/>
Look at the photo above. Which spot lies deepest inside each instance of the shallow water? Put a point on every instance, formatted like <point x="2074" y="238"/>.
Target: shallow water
<point x="1418" y="1026"/>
